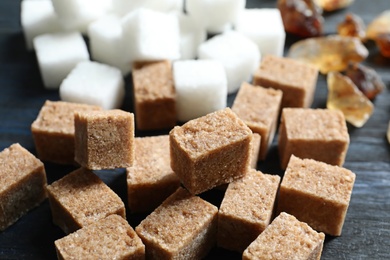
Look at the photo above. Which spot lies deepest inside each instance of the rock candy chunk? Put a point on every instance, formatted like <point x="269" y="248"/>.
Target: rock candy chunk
<point x="345" y="96"/>
<point x="329" y="53"/>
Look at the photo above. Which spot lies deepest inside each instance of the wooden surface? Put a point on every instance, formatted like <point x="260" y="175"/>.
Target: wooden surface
<point x="366" y="232"/>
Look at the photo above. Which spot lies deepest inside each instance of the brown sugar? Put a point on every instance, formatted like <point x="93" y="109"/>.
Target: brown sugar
<point x="104" y="139"/>
<point x="316" y="193"/>
<point x="183" y="227"/>
<point x="108" y="238"/>
<point x="286" y="238"/>
<point x="154" y="95"/>
<point x="256" y="142"/>
<point x="22" y="184"/>
<point x="211" y="150"/>
<point x="259" y="108"/>
<point x="53" y="130"/>
<point x="150" y="180"/>
<point x="319" y="134"/>
<point x="81" y="198"/>
<point x="297" y="80"/>
<point x="246" y="209"/>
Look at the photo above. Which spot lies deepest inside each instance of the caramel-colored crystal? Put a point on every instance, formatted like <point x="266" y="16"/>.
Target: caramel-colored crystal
<point x="329" y="53"/>
<point x="352" y="26"/>
<point x="383" y="43"/>
<point x="388" y="133"/>
<point x="332" y="5"/>
<point x="345" y="96"/>
<point x="366" y="79"/>
<point x="301" y="17"/>
<point x="380" y="25"/>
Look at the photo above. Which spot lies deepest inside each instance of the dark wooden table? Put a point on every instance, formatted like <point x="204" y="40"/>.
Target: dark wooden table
<point x="366" y="232"/>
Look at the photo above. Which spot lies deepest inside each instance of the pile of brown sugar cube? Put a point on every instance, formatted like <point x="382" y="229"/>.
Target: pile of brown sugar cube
<point x="261" y="216"/>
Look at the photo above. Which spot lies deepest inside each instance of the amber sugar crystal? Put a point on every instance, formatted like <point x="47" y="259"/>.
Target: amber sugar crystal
<point x="352" y="26"/>
<point x="366" y="79"/>
<point x="301" y="17"/>
<point x="332" y="5"/>
<point x="380" y="25"/>
<point x="345" y="96"/>
<point x="383" y="43"/>
<point x="329" y="53"/>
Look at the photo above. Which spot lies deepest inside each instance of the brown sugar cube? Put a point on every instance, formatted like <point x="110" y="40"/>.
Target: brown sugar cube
<point x="81" y="198"/>
<point x="104" y="139"/>
<point x="154" y="95"/>
<point x="184" y="226"/>
<point x="296" y="79"/>
<point x="108" y="238"/>
<point x="246" y="209"/>
<point x="150" y="180"/>
<point x="259" y="108"/>
<point x="319" y="134"/>
<point x="211" y="150"/>
<point x="53" y="131"/>
<point x="22" y="184"/>
<point x="256" y="142"/>
<point x="286" y="238"/>
<point x="316" y="193"/>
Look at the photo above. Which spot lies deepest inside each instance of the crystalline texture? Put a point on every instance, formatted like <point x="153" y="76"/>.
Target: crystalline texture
<point x="366" y="79"/>
<point x="353" y="26"/>
<point x="301" y="17"/>
<point x="332" y="5"/>
<point x="345" y="96"/>
<point x="380" y="25"/>
<point x="329" y="53"/>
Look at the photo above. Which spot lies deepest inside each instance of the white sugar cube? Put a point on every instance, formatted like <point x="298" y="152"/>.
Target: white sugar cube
<point x="78" y="14"/>
<point x="265" y="27"/>
<point x="123" y="7"/>
<point x="38" y="17"/>
<point x="215" y="15"/>
<point x="151" y="35"/>
<point x="201" y="88"/>
<point x="58" y="54"/>
<point x="191" y="36"/>
<point x="106" y="42"/>
<point x="238" y="54"/>
<point x="95" y="84"/>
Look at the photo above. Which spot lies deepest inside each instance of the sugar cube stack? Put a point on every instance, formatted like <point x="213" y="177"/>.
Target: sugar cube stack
<point x="78" y="14"/>
<point x="58" y="54"/>
<point x="239" y="55"/>
<point x="94" y="83"/>
<point x="192" y="35"/>
<point x="201" y="88"/>
<point x="265" y="27"/>
<point x="215" y="16"/>
<point x="106" y="42"/>
<point x="152" y="35"/>
<point x="38" y="17"/>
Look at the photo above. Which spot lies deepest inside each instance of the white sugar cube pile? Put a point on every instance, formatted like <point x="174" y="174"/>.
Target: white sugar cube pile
<point x="123" y="7"/>
<point x="191" y="36"/>
<point x="201" y="88"/>
<point x="38" y="17"/>
<point x="57" y="54"/>
<point x="78" y="14"/>
<point x="215" y="15"/>
<point x="106" y="42"/>
<point x="239" y="55"/>
<point x="265" y="27"/>
<point x="151" y="35"/>
<point x="95" y="84"/>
